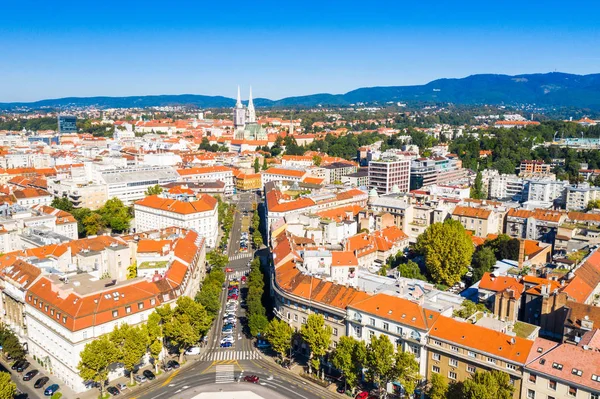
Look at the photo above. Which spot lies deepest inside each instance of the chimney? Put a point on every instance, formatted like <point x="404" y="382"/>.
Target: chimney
<point x="521" y="252"/>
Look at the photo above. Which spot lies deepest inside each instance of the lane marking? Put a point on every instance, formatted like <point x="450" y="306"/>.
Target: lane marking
<point x="168" y="380"/>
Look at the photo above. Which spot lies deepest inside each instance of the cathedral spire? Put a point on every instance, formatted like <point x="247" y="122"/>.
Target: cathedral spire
<point x="238" y="104"/>
<point x="251" y="111"/>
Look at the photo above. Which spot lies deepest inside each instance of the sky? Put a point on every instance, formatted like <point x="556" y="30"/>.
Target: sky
<point x="53" y="49"/>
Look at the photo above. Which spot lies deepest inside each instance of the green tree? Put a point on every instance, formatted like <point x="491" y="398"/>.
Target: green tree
<point x="186" y="324"/>
<point x="115" y="215"/>
<point x="477" y="189"/>
<point x="209" y="297"/>
<point x="438" y="387"/>
<point x="132" y="271"/>
<point x="154" y="190"/>
<point x="131" y="342"/>
<point x="257" y="324"/>
<point x="256" y="165"/>
<point x="80" y="214"/>
<point x="62" y="203"/>
<point x="469" y="308"/>
<point x="504" y="247"/>
<point x="257" y="239"/>
<point x="505" y="166"/>
<point x="154" y="339"/>
<point x="380" y="360"/>
<point x="411" y="270"/>
<point x="447" y="251"/>
<point x="92" y="224"/>
<point x="483" y="261"/>
<point x="265" y="166"/>
<point x="593" y="204"/>
<point x="217" y="259"/>
<point x="349" y="357"/>
<point x="12" y="346"/>
<point x="488" y="385"/>
<point x="318" y="337"/>
<point x="279" y="333"/>
<point x="405" y="371"/>
<point x="317" y="160"/>
<point x="8" y="389"/>
<point x="95" y="360"/>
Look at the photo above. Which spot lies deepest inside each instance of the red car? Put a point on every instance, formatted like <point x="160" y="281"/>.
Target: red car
<point x="362" y="395"/>
<point x="251" y="378"/>
<point x="243" y="279"/>
<point x="228" y="270"/>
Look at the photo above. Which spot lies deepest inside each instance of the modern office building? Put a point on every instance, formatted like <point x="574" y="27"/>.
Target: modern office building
<point x="390" y="174"/>
<point x="130" y="184"/>
<point x="436" y="170"/>
<point x="67" y="124"/>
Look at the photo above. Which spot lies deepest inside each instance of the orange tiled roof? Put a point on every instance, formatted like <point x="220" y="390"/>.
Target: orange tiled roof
<point x="501" y="283"/>
<point x="285" y="172"/>
<point x="343" y="258"/>
<point x="471" y="212"/>
<point x="397" y="309"/>
<point x="205" y="203"/>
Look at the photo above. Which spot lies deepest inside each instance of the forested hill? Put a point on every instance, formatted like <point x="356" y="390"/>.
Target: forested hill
<point x="544" y="90"/>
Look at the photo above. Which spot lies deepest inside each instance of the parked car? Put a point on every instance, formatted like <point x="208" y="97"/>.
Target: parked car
<point x="22" y="367"/>
<point x="251" y="378"/>
<point x="174" y="364"/>
<point x="262" y="344"/>
<point x="41" y="382"/>
<point x="233" y="296"/>
<point x="362" y="395"/>
<point x="30" y="374"/>
<point x="243" y="279"/>
<point x="113" y="391"/>
<point x="194" y="350"/>
<point x="17" y="364"/>
<point x="226" y="344"/>
<point x="51" y="390"/>
<point x="140" y="379"/>
<point x="166" y="367"/>
<point x="341" y="389"/>
<point x="121" y="386"/>
<point x="149" y="375"/>
<point x="228" y="270"/>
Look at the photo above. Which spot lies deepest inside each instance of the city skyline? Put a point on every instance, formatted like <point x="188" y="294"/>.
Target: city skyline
<point x="140" y="49"/>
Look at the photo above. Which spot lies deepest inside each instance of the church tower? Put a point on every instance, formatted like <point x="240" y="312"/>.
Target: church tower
<point x="251" y="113"/>
<point x="239" y="113"/>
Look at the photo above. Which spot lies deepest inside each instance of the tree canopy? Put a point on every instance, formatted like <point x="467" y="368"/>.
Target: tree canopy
<point x="447" y="251"/>
<point x="8" y="389"/>
<point x="488" y="385"/>
<point x="154" y="190"/>
<point x="318" y="337"/>
<point x="95" y="359"/>
<point x="115" y="215"/>
<point x="279" y="333"/>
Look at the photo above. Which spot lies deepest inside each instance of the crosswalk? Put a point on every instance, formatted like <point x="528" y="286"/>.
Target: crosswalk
<point x="237" y="274"/>
<point x="224" y="374"/>
<point x="225" y="354"/>
<point x="241" y="255"/>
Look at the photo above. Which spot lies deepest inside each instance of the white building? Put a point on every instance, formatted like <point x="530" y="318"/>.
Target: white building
<point x="506" y="187"/>
<point x="130" y="184"/>
<point x="281" y="174"/>
<point x="154" y="212"/>
<point x="547" y="190"/>
<point x="210" y="173"/>
<point x="29" y="196"/>
<point x="579" y="196"/>
<point x="390" y="175"/>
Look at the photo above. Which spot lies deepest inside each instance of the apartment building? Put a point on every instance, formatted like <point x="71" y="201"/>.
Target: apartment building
<point x="209" y="173"/>
<point x="334" y="172"/>
<point x="81" y="194"/>
<point x="538" y="224"/>
<point x="580" y="195"/>
<point x="389" y="175"/>
<point x="130" y="184"/>
<point x="436" y="170"/>
<point x="457" y="349"/>
<point x="482" y="219"/>
<point x="275" y="174"/>
<point x="200" y="215"/>
<point x="507" y="187"/>
<point x="360" y="178"/>
<point x="547" y="192"/>
<point x="534" y="167"/>
<point x="64" y="223"/>
<point x="30" y="196"/>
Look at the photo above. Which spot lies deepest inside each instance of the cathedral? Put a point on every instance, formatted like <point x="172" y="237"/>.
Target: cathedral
<point x="244" y="121"/>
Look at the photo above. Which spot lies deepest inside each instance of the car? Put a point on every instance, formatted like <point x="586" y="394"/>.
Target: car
<point x="30" y="374"/>
<point x="51" y="390"/>
<point x="243" y="279"/>
<point x="227" y="339"/>
<point x="232" y="305"/>
<point x="233" y="296"/>
<point x="149" y="375"/>
<point x="362" y="395"/>
<point x="251" y="378"/>
<point x="226" y="345"/>
<point x="121" y="386"/>
<point x="140" y="379"/>
<point x="228" y="270"/>
<point x="22" y="367"/>
<point x="262" y="344"/>
<point x="341" y="389"/>
<point x="174" y="364"/>
<point x="166" y="367"/>
<point x="41" y="382"/>
<point x="194" y="350"/>
<point x="113" y="391"/>
<point x="17" y="364"/>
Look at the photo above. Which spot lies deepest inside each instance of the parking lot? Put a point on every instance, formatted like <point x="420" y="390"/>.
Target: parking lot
<point x="32" y="381"/>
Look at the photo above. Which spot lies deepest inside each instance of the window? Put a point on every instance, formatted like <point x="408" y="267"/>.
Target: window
<point x="386" y="326"/>
<point x="64" y="320"/>
<point x="511" y="366"/>
<point x="371" y="334"/>
<point x="152" y="302"/>
<point x="593" y="396"/>
<point x="532" y="378"/>
<point x="557" y="366"/>
<point x="530" y="394"/>
<point x="595" y="378"/>
<point x="435" y="356"/>
<point x="572" y="391"/>
<point x="398" y="330"/>
<point x="438" y="343"/>
<point x="577" y="372"/>
<point x="85" y="335"/>
<point x="491" y="360"/>
<point x="372" y="321"/>
<point x="52" y="312"/>
<point x="454" y="348"/>
<point x="115" y="313"/>
<point x="140" y="305"/>
<point x="472" y="354"/>
<point x="452" y="375"/>
<point x="57" y="315"/>
<point x="453" y="362"/>
<point x="46" y="308"/>
<point x="552" y="385"/>
<point x="335" y="332"/>
<point x="35" y="301"/>
<point x="304" y="320"/>
<point x="435" y="369"/>
<point x="471" y="369"/>
<point x="295" y="317"/>
<point x="127" y="309"/>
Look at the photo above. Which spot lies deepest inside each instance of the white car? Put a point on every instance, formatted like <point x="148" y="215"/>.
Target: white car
<point x="194" y="350"/>
<point x="227" y="338"/>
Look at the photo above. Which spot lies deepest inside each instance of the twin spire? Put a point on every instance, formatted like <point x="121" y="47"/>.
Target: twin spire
<point x="250" y="112"/>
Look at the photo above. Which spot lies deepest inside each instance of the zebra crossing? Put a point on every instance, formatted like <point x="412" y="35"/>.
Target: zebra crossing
<point x="218" y="355"/>
<point x="240" y="255"/>
<point x="224" y="374"/>
<point x="237" y="274"/>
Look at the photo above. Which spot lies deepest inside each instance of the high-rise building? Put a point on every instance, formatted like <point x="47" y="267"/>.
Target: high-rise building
<point x="67" y="124"/>
<point x="436" y="170"/>
<point x="389" y="175"/>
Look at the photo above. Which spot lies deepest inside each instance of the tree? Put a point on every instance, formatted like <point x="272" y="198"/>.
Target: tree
<point x="348" y="357"/>
<point x="95" y="360"/>
<point x="469" y="308"/>
<point x="62" y="203"/>
<point x="131" y="342"/>
<point x="257" y="239"/>
<point x="411" y="270"/>
<point x="504" y="247"/>
<point x="477" y="189"/>
<point x="92" y="224"/>
<point x="447" y="251"/>
<point x="257" y="324"/>
<point x="318" y="337"/>
<point x="483" y="261"/>
<point x="488" y="385"/>
<point x="154" y="190"/>
<point x="209" y="297"/>
<point x="405" y="371"/>
<point x="505" y="166"/>
<point x="380" y="360"/>
<point x="317" y="160"/>
<point x="217" y="259"/>
<point x="185" y="325"/>
<point x="265" y="166"/>
<point x="115" y="215"/>
<point x="438" y="387"/>
<point x="279" y="333"/>
<point x="256" y="165"/>
<point x="8" y="389"/>
<point x="132" y="271"/>
<point x="154" y="331"/>
<point x="593" y="204"/>
<point x="12" y="346"/>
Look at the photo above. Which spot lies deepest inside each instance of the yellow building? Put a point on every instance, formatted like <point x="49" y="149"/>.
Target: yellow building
<point x="246" y="182"/>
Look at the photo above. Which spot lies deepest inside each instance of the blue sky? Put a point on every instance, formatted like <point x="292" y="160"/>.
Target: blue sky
<point x="51" y="49"/>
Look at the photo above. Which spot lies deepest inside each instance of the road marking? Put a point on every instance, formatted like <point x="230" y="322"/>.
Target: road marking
<point x="168" y="380"/>
<point x="224" y="374"/>
<point x="287" y="389"/>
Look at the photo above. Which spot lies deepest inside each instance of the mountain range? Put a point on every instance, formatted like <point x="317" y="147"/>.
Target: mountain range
<point x="543" y="90"/>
